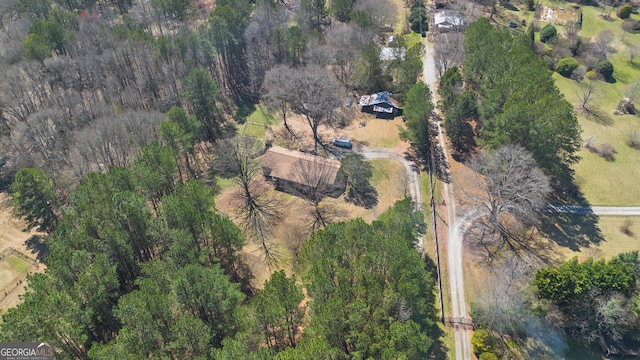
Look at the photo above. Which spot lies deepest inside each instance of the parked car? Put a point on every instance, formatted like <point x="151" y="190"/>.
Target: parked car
<point x="513" y="24"/>
<point x="344" y="143"/>
<point x="424" y="33"/>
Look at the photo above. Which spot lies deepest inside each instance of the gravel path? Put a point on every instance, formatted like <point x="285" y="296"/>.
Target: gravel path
<point x="414" y="180"/>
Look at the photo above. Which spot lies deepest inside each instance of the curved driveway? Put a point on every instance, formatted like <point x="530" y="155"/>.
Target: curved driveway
<point x="412" y="175"/>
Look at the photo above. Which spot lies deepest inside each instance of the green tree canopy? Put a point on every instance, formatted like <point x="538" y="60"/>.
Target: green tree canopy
<point x="35" y="199"/>
<point x="417" y="111"/>
<point x="371" y="295"/>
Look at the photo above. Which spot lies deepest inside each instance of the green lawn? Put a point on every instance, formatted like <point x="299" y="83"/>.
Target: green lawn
<point x="17" y="264"/>
<point x="608" y="183"/>
<point x="257" y="123"/>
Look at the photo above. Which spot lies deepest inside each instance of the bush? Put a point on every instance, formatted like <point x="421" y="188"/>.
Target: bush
<point x="607" y="152"/>
<point x="625" y="11"/>
<point x="566" y="66"/>
<point x="605" y="68"/>
<point x="488" y="356"/>
<point x="591" y="75"/>
<point x="483" y="341"/>
<point x="634" y="139"/>
<point x="547" y="33"/>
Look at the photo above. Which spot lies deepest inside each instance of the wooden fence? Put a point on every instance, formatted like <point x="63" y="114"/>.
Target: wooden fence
<point x="21" y="277"/>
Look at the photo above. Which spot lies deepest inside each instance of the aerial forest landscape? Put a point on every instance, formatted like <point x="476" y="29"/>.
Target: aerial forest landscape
<point x="320" y="179"/>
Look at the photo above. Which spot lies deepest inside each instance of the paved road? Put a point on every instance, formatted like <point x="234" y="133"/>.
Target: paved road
<point x="596" y="210"/>
<point x="412" y="175"/>
<point x="456" y="231"/>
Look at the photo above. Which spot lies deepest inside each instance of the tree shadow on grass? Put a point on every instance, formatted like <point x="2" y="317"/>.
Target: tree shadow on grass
<point x="573" y="231"/>
<point x="366" y="196"/>
<point x="36" y="244"/>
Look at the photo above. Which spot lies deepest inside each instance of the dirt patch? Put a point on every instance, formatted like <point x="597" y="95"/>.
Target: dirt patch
<point x="558" y="15"/>
<point x="13" y="236"/>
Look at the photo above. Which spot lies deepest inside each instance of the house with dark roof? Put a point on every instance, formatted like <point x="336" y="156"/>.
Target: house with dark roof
<point x="302" y="174"/>
<point x="381" y="104"/>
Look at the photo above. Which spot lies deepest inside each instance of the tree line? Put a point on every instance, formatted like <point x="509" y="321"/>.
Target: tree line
<point x="505" y="94"/>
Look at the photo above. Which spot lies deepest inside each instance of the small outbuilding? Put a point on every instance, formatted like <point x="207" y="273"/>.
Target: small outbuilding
<point x="302" y="174"/>
<point x="381" y="104"/>
<point x="447" y="21"/>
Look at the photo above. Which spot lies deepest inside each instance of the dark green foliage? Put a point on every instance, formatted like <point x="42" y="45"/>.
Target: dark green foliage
<point x="35" y="199"/>
<point x="316" y="13"/>
<point x="371" y="295"/>
<point x="369" y="74"/>
<point x="107" y="294"/>
<point x="56" y="34"/>
<point x="547" y="33"/>
<point x="459" y="109"/>
<point x="531" y="5"/>
<point x="417" y="111"/>
<point x="566" y="66"/>
<point x="605" y="68"/>
<point x="405" y="71"/>
<point x="278" y="311"/>
<point x="357" y="174"/>
<point x="518" y="100"/>
<point x="342" y="9"/>
<point x="569" y="283"/>
<point x="208" y="295"/>
<point x="595" y="299"/>
<point x="625" y="11"/>
<point x="155" y="171"/>
<point x="418" y="19"/>
<point x="296" y="45"/>
<point x="201" y="91"/>
<point x="311" y="348"/>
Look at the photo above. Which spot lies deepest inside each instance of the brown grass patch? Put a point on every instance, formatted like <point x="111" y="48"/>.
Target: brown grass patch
<point x="293" y="230"/>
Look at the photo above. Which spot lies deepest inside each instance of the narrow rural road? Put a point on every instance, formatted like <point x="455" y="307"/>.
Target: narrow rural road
<point x="456" y="230"/>
<point x="412" y="175"/>
<point x="595" y="210"/>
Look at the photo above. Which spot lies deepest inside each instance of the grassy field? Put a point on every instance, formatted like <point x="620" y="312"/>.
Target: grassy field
<point x="11" y="268"/>
<point x="17" y="264"/>
<point x="257" y="123"/>
<point x="602" y="182"/>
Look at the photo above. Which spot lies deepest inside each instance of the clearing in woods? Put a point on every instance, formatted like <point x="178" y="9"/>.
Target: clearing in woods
<point x="13" y="268"/>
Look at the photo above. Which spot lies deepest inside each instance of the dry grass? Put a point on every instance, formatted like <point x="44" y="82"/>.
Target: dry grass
<point x="11" y="235"/>
<point x="293" y="230"/>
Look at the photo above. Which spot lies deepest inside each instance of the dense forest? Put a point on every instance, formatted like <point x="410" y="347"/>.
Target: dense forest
<point x="126" y="279"/>
<point x="88" y="82"/>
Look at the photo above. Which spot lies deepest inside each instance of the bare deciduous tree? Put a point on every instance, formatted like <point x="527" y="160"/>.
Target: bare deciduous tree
<point x="317" y="178"/>
<point x="257" y="209"/>
<point x="633" y="90"/>
<point x="347" y="43"/>
<point x="602" y="45"/>
<point x="509" y="181"/>
<point x="278" y="94"/>
<point x="586" y="93"/>
<point x="383" y="13"/>
<point x="316" y="96"/>
<point x="510" y="188"/>
<point x="449" y="51"/>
